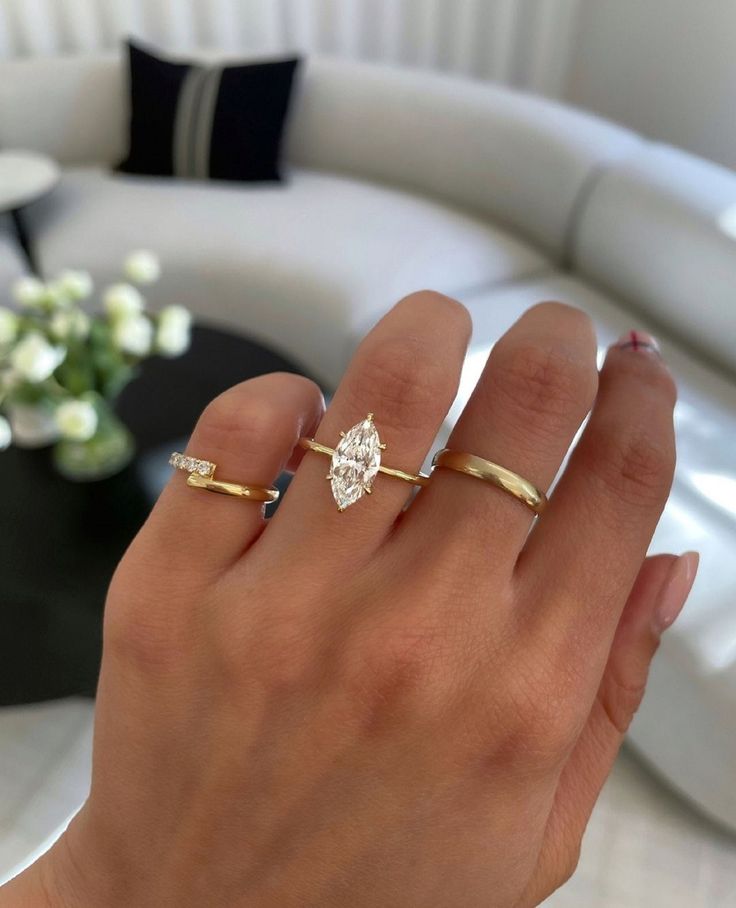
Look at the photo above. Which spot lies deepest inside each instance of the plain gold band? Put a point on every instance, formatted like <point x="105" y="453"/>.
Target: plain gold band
<point x="417" y="479"/>
<point x="252" y="493"/>
<point x="480" y="468"/>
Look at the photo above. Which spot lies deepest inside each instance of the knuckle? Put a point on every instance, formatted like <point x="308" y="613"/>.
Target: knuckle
<point x="568" y="862"/>
<point x="633" y="465"/>
<point x="135" y="637"/>
<point x="402" y="380"/>
<point x="237" y="421"/>
<point x="397" y="672"/>
<point x="651" y="376"/>
<point x="544" y="381"/>
<point x="620" y="701"/>
<point x="284" y="662"/>
<point x="543" y="726"/>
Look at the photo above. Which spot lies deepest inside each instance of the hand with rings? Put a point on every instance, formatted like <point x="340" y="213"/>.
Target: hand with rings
<point x="402" y="689"/>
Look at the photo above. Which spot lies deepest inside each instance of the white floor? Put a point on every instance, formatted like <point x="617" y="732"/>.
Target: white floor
<point x="644" y="847"/>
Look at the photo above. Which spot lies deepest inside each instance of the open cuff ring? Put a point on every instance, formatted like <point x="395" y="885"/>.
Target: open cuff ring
<point x="356" y="461"/>
<point x="480" y="468"/>
<point x="202" y="476"/>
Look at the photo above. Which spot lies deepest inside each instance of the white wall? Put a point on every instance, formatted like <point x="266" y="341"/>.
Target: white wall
<point x="664" y="67"/>
<point x="523" y="42"/>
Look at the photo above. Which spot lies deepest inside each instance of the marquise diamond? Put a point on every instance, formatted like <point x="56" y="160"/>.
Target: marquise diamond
<point x="355" y="463"/>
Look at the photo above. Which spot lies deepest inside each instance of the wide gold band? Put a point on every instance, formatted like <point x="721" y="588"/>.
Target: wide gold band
<point x="417" y="479"/>
<point x="202" y="476"/>
<point x="480" y="468"/>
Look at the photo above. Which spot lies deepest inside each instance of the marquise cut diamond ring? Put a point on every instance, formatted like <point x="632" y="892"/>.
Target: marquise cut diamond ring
<point x="356" y="461"/>
<point x="202" y="476"/>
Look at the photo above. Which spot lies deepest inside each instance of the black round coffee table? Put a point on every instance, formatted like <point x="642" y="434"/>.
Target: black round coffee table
<point x="60" y="541"/>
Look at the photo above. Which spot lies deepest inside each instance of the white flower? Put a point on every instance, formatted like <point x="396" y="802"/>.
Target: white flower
<point x="173" y="332"/>
<point x="76" y="420"/>
<point x="142" y="267"/>
<point x="133" y="334"/>
<point x="6" y="435"/>
<point x="29" y="291"/>
<point x="8" y="326"/>
<point x="70" y="323"/>
<point x="123" y="300"/>
<point x="77" y="285"/>
<point x="56" y="295"/>
<point x="33" y="425"/>
<point x="34" y="358"/>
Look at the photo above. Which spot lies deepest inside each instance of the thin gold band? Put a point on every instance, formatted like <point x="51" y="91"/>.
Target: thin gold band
<point x="252" y="493"/>
<point x="480" y="468"/>
<point x="417" y="479"/>
<point x="202" y="476"/>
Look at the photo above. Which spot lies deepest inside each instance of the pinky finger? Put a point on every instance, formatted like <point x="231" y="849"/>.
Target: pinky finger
<point x="661" y="590"/>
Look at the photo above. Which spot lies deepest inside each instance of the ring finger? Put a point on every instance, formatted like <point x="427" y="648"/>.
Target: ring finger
<point x="537" y="387"/>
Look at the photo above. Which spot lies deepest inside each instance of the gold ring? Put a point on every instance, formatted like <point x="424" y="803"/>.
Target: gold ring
<point x="480" y="468"/>
<point x="202" y="476"/>
<point x="355" y="462"/>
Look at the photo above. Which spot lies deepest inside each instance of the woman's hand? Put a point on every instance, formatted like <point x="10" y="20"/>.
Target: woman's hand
<point x="378" y="707"/>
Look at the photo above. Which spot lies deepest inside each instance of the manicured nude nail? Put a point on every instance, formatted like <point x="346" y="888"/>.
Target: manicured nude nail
<point x="675" y="590"/>
<point x="639" y="342"/>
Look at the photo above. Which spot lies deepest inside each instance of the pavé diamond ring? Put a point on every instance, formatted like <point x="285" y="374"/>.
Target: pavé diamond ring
<point x="355" y="462"/>
<point x="480" y="468"/>
<point x="202" y="476"/>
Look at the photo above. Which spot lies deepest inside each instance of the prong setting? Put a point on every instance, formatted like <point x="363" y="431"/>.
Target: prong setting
<point x="355" y="463"/>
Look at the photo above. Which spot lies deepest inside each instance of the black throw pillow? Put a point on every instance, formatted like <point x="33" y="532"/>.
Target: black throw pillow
<point x="189" y="119"/>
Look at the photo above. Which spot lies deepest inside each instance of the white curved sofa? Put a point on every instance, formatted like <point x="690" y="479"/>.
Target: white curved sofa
<point x="401" y="180"/>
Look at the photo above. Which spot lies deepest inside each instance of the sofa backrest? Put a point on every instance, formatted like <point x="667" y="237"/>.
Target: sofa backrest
<point x="659" y="231"/>
<point x="518" y="159"/>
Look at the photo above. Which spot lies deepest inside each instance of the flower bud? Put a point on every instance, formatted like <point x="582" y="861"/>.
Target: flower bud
<point x="6" y="436"/>
<point x="77" y="285"/>
<point x="173" y="331"/>
<point x="122" y="301"/>
<point x="133" y="334"/>
<point x="142" y="267"/>
<point x="69" y="324"/>
<point x="34" y="358"/>
<point x="76" y="420"/>
<point x="8" y="326"/>
<point x="29" y="291"/>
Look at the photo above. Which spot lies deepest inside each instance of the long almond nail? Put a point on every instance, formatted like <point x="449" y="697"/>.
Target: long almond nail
<point x="638" y="342"/>
<point x="675" y="590"/>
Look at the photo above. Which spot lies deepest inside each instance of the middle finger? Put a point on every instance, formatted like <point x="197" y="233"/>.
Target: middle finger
<point x="406" y="372"/>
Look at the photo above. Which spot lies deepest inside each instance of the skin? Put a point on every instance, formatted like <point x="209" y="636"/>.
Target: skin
<point x="378" y="708"/>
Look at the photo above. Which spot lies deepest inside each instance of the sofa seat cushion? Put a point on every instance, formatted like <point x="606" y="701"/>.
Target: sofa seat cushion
<point x="296" y="265"/>
<point x="685" y="725"/>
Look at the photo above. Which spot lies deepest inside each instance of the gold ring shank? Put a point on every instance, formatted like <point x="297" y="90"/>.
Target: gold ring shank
<point x="252" y="493"/>
<point x="480" y="468"/>
<point x="417" y="479"/>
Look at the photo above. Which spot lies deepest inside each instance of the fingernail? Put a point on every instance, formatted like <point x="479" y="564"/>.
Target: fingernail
<point x="639" y="342"/>
<point x="675" y="590"/>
